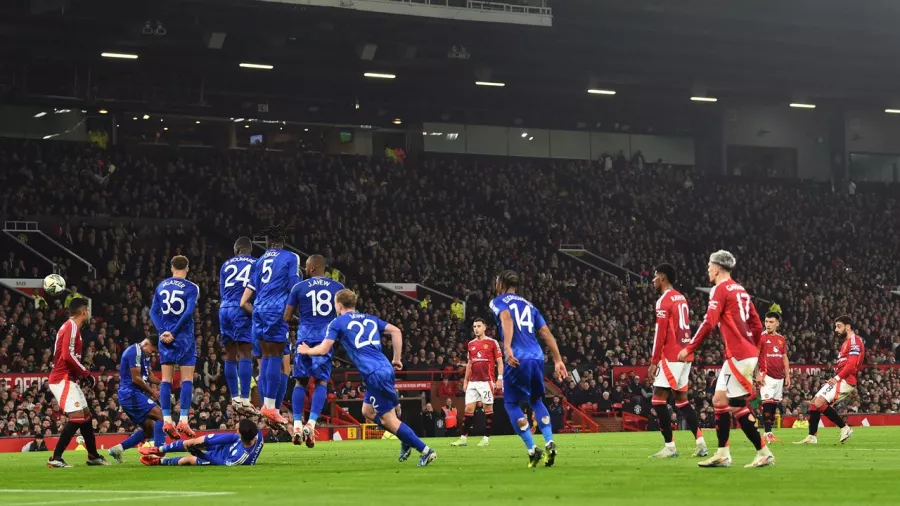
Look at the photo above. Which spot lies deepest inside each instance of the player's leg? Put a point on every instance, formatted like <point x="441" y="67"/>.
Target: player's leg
<point x="298" y="405"/>
<point x="321" y="371"/>
<point x="515" y="390"/>
<point x="534" y="368"/>
<point x="185" y="397"/>
<point x="285" y="376"/>
<point x="408" y="438"/>
<point x="722" y="458"/>
<point x="683" y="405"/>
<point x="144" y="413"/>
<point x="768" y="409"/>
<point x="660" y="403"/>
<point x="231" y="371"/>
<point x="90" y="439"/>
<point x="272" y="367"/>
<point x="245" y="374"/>
<point x="165" y="396"/>
<point x="488" y="421"/>
<point x="468" y="422"/>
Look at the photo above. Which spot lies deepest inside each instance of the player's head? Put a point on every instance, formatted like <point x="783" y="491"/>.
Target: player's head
<point x="243" y="246"/>
<point x="345" y="300"/>
<point x="843" y="325"/>
<point x="150" y="344"/>
<point x="247" y="431"/>
<point x="315" y="265"/>
<point x="78" y="308"/>
<point x="478" y="327"/>
<point x="773" y="321"/>
<point x="180" y="266"/>
<point x="665" y="276"/>
<point x="721" y="263"/>
<point x="507" y="281"/>
<point x="275" y="235"/>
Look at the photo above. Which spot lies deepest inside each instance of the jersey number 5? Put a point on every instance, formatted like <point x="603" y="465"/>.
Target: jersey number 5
<point x="523" y="318"/>
<point x="266" y="270"/>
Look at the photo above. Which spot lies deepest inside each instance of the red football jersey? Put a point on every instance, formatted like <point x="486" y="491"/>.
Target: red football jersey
<point x="673" y="327"/>
<point x="483" y="355"/>
<point x="67" y="354"/>
<point x="850" y="358"/>
<point x="732" y="310"/>
<point x="772" y="350"/>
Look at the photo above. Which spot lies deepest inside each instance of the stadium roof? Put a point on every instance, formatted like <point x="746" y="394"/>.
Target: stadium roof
<point x="654" y="53"/>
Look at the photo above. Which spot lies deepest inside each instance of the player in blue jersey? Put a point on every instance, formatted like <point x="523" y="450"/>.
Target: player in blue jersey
<point x="137" y="398"/>
<point x="239" y="449"/>
<point x="360" y="336"/>
<point x="271" y="280"/>
<point x="234" y="324"/>
<point x="313" y="300"/>
<point x="520" y="323"/>
<point x="172" y="312"/>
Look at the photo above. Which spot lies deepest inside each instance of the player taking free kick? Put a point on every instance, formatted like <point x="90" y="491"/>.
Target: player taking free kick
<point x="732" y="310"/>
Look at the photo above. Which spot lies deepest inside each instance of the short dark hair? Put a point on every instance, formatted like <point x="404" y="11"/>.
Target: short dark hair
<point x="275" y="234"/>
<point x="845" y="320"/>
<point x="154" y="340"/>
<point x="668" y="270"/>
<point x="479" y="320"/>
<point x="77" y="305"/>
<point x="180" y="262"/>
<point x="773" y="314"/>
<point x="243" y="245"/>
<point x="247" y="430"/>
<point x="509" y="278"/>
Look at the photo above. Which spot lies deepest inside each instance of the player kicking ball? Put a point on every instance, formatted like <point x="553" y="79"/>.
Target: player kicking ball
<point x="840" y="386"/>
<point x="239" y="449"/>
<point x="484" y="355"/>
<point x="360" y="336"/>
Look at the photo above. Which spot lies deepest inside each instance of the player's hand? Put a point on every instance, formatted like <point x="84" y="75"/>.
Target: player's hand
<point x="398" y="365"/>
<point x="787" y="382"/>
<point x="167" y="337"/>
<point x="511" y="359"/>
<point x="560" y="369"/>
<point x="303" y="349"/>
<point x="652" y="370"/>
<point x="465" y="385"/>
<point x="499" y="387"/>
<point x="154" y="396"/>
<point x="682" y="355"/>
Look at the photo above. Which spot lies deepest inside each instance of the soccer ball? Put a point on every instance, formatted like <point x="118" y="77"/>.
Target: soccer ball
<point x="54" y="284"/>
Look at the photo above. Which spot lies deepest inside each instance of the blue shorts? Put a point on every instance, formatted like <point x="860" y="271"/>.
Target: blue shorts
<point x="523" y="383"/>
<point x="269" y="327"/>
<point x="182" y="351"/>
<point x="136" y="405"/>
<point x="257" y="351"/>
<point x="318" y="367"/>
<point x="380" y="391"/>
<point x="234" y="324"/>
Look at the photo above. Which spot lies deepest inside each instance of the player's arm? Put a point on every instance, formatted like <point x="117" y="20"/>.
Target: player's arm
<point x="755" y="323"/>
<point x="247" y="299"/>
<point x="851" y="365"/>
<point x="548" y="338"/>
<point x="658" y="337"/>
<point x="331" y="335"/>
<point x="498" y="359"/>
<point x="761" y="363"/>
<point x="292" y="303"/>
<point x="787" y="368"/>
<point x="396" y="344"/>
<point x="153" y="379"/>
<point x="506" y="324"/>
<point x="469" y="373"/>
<point x="187" y="314"/>
<point x="156" y="312"/>
<point x="139" y="382"/>
<point x="713" y="314"/>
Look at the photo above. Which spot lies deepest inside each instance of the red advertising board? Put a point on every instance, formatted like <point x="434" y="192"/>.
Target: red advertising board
<point x="20" y="382"/>
<point x="814" y="369"/>
<point x="412" y="385"/>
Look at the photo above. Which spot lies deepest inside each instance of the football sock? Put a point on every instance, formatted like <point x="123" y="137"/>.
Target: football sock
<point x="159" y="436"/>
<point x="723" y="425"/>
<point x="833" y="415"/>
<point x="65" y="437"/>
<point x="814" y="416"/>
<point x="690" y="418"/>
<point x="90" y="441"/>
<point x="665" y="421"/>
<point x="769" y="416"/>
<point x="543" y="419"/>
<point x="282" y="390"/>
<point x="244" y="372"/>
<point x="468" y="419"/>
<point x="488" y="423"/>
<point x="319" y="396"/>
<point x="174" y="446"/>
<point x="405" y="434"/>
<point x="134" y="439"/>
<point x="165" y="400"/>
<point x="515" y="414"/>
<point x="748" y="425"/>
<point x="271" y="371"/>
<point x="171" y="461"/>
<point x="298" y="402"/>
<point x="184" y="400"/>
<point x="231" y="378"/>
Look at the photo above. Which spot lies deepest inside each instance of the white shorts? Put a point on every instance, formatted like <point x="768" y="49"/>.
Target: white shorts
<point x="772" y="390"/>
<point x="480" y="391"/>
<point x="69" y="396"/>
<point x="835" y="393"/>
<point x="673" y="375"/>
<point x="738" y="382"/>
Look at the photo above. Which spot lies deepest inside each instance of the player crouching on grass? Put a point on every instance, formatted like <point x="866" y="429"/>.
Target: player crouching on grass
<point x="239" y="449"/>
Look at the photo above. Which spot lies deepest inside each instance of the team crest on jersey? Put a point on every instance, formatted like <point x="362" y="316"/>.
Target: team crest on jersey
<point x="484" y="346"/>
<point x="767" y="396"/>
<point x="76" y="404"/>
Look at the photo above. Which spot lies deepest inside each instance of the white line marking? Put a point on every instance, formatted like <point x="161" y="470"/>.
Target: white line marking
<point x="128" y="495"/>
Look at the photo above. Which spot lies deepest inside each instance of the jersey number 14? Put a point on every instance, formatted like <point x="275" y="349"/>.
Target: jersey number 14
<point x="523" y="318"/>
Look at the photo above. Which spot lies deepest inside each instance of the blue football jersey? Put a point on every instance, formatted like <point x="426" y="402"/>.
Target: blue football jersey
<point x="313" y="299"/>
<point x="527" y="320"/>
<point x="133" y="356"/>
<point x="173" y="307"/>
<point x="233" y="278"/>
<point x="228" y="450"/>
<point x="272" y="277"/>
<point x="360" y="336"/>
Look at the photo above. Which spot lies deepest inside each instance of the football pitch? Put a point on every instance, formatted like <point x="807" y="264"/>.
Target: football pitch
<point x="590" y="469"/>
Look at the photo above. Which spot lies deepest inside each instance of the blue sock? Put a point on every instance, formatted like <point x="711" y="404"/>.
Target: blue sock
<point x="245" y="372"/>
<point x="272" y="373"/>
<point x="187" y="390"/>
<point x="134" y="439"/>
<point x="515" y="414"/>
<point x="298" y="401"/>
<point x="282" y="390"/>
<point x="543" y="419"/>
<point x="165" y="397"/>
<point x="159" y="437"/>
<point x="405" y="434"/>
<point x="319" y="396"/>
<point x="173" y="461"/>
<point x="174" y="446"/>
<point x="231" y="377"/>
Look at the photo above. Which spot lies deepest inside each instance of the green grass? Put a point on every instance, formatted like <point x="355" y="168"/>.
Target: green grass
<point x="591" y="469"/>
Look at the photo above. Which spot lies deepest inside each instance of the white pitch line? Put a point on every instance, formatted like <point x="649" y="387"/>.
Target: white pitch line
<point x="129" y="495"/>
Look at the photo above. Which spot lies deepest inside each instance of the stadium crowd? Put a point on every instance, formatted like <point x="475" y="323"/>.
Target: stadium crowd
<point x="450" y="224"/>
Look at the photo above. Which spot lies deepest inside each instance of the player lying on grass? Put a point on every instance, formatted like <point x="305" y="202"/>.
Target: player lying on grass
<point x="239" y="449"/>
<point x="360" y="336"/>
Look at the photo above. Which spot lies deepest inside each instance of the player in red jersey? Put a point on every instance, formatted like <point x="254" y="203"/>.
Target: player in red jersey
<point x="731" y="309"/>
<point x="774" y="371"/>
<point x="838" y="388"/>
<point x="479" y="383"/>
<point x="67" y="367"/>
<point x="673" y="333"/>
